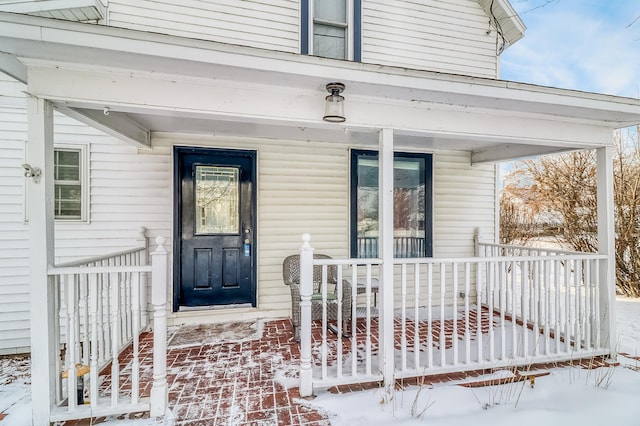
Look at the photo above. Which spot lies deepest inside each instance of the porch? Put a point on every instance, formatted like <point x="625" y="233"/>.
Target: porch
<point x="508" y="307"/>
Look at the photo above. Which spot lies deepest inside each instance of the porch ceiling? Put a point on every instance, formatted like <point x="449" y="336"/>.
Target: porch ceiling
<point x="159" y="83"/>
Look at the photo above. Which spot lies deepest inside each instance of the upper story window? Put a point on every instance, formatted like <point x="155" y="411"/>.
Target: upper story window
<point x="70" y="187"/>
<point x="331" y="28"/>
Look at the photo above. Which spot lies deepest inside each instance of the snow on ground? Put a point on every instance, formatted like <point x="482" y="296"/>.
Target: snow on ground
<point x="568" y="396"/>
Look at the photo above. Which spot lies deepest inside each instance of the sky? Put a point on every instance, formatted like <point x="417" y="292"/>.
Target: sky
<point x="587" y="45"/>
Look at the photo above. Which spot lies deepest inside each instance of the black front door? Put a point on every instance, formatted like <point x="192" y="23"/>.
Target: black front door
<point x="214" y="227"/>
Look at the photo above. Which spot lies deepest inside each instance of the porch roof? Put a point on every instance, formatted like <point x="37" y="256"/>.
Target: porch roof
<point x="159" y="83"/>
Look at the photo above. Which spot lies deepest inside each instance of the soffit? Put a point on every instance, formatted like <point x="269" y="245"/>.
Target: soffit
<point x="37" y="42"/>
<point x="71" y="10"/>
<point x="504" y="16"/>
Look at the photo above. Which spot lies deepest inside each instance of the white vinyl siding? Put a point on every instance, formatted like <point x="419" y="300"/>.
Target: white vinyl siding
<point x="439" y="35"/>
<point x="257" y="23"/>
<point x="464" y="199"/>
<point x="302" y="187"/>
<point x="14" y="234"/>
<point x="127" y="191"/>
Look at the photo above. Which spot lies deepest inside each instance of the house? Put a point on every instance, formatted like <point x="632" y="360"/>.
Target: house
<point x="232" y="128"/>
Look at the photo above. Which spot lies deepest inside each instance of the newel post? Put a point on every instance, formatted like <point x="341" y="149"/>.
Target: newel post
<point x="159" y="273"/>
<point x="306" y="290"/>
<point x="476" y="242"/>
<point x="144" y="260"/>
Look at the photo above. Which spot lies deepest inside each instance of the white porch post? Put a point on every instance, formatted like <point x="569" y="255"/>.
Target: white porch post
<point x="39" y="202"/>
<point x="606" y="246"/>
<point x="385" y="249"/>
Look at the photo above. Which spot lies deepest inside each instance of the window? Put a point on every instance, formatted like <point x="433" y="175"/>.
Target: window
<point x="412" y="204"/>
<point x="331" y="28"/>
<point x="69" y="183"/>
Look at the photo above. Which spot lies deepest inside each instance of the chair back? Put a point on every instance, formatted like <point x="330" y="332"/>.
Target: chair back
<point x="291" y="271"/>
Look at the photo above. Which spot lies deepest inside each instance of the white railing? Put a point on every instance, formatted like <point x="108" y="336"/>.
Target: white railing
<point x="101" y="309"/>
<point x="343" y="349"/>
<point x="459" y="314"/>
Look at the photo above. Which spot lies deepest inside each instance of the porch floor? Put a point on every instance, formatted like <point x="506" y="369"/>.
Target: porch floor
<point x="252" y="380"/>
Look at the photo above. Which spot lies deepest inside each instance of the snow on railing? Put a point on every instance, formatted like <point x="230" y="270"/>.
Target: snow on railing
<point x="101" y="307"/>
<point x="452" y="314"/>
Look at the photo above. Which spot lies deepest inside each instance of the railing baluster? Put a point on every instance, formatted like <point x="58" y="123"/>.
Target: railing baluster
<point x="368" y="307"/>
<point x="467" y="331"/>
<point x="339" y="290"/>
<point x="122" y="308"/>
<point x="403" y="317"/>
<point x="580" y="334"/>
<point x="430" y="314"/>
<point x="135" y="318"/>
<point x="454" y="336"/>
<point x="115" y="337"/>
<point x="491" y="299"/>
<point x="443" y="332"/>
<point x="502" y="301"/>
<point x="93" y="320"/>
<point x="323" y="347"/>
<point x="72" y="309"/>
<point x="566" y="287"/>
<point x="83" y="323"/>
<point x="556" y="287"/>
<point x="107" y="288"/>
<point x="416" y="314"/>
<point x="128" y="306"/>
<point x="596" y="303"/>
<point x="525" y="288"/>
<point x="547" y="307"/>
<point x="514" y="311"/>
<point x="480" y="286"/>
<point x="587" y="305"/>
<point x="354" y="320"/>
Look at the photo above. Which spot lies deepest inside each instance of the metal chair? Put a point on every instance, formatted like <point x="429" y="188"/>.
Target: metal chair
<point x="291" y="277"/>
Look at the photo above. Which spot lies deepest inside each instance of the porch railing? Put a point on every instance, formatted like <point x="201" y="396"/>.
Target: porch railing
<point x="457" y="314"/>
<point x="101" y="309"/>
<point x="402" y="246"/>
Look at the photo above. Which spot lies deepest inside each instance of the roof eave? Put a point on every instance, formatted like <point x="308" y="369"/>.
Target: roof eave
<point x="72" y="42"/>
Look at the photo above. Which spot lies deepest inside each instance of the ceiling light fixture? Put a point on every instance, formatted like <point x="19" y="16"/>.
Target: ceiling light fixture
<point x="334" y="106"/>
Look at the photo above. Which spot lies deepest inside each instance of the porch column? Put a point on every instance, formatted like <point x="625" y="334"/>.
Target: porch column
<point x="606" y="246"/>
<point x="385" y="249"/>
<point x="39" y="204"/>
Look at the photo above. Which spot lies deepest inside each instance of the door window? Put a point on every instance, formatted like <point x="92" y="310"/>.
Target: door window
<point x="217" y="200"/>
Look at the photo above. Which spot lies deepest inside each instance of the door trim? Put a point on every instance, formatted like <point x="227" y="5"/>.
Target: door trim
<point x="178" y="151"/>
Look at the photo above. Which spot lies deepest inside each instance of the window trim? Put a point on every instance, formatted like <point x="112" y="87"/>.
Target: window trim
<point x="353" y="33"/>
<point x="83" y="149"/>
<point x="353" y="199"/>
